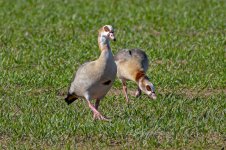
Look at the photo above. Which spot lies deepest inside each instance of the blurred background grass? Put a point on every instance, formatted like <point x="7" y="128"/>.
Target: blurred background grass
<point x="42" y="43"/>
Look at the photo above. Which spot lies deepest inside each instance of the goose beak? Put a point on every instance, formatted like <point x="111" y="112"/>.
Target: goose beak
<point x="153" y="96"/>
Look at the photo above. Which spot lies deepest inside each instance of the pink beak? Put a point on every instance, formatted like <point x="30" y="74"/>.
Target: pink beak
<point x="153" y="96"/>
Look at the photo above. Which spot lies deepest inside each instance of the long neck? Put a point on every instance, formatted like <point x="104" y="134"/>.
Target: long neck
<point x="103" y="43"/>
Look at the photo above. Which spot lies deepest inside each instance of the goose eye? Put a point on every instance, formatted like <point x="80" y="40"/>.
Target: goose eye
<point x="148" y="87"/>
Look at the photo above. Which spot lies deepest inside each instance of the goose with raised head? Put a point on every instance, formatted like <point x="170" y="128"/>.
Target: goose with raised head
<point x="95" y="78"/>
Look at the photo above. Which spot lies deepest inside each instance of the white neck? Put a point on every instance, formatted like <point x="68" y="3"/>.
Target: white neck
<point x="103" y="43"/>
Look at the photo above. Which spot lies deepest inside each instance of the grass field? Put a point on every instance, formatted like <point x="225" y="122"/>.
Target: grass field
<point x="42" y="43"/>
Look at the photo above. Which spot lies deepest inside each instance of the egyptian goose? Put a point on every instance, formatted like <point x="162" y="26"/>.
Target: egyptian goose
<point x="94" y="79"/>
<point x="132" y="64"/>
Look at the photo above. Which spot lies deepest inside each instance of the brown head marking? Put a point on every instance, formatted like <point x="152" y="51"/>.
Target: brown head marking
<point x="106" y="29"/>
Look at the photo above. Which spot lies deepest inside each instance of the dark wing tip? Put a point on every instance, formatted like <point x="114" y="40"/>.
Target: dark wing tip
<point x="70" y="98"/>
<point x="107" y="82"/>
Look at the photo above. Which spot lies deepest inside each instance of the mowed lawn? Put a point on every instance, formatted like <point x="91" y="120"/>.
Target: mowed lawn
<point x="42" y="43"/>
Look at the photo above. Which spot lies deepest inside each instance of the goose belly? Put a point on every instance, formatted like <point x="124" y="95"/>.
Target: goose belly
<point x="98" y="91"/>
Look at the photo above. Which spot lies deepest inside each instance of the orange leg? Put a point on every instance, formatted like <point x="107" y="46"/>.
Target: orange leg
<point x="96" y="113"/>
<point x="124" y="87"/>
